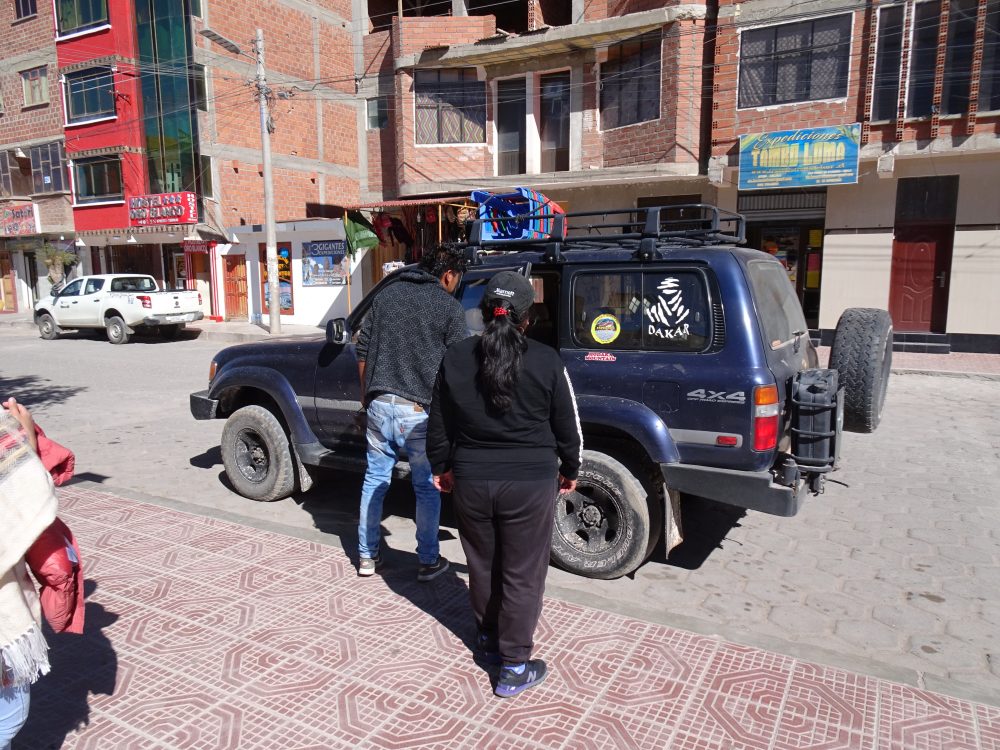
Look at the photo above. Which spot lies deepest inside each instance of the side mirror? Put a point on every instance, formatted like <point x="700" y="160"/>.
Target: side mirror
<point x="336" y="331"/>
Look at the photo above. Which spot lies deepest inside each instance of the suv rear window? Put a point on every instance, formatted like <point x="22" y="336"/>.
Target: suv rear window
<point x="777" y="306"/>
<point x="664" y="310"/>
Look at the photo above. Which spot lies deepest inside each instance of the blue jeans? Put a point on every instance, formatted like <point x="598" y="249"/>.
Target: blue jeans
<point x="14" y="703"/>
<point x="394" y="425"/>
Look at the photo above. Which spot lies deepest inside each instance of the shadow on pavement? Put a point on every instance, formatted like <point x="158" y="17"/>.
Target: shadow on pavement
<point x="36" y="392"/>
<point x="446" y="598"/>
<point x="86" y="476"/>
<point x="706" y="525"/>
<point x="81" y="666"/>
<point x="210" y="458"/>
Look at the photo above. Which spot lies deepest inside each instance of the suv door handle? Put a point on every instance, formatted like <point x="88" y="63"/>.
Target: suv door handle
<point x="941" y="277"/>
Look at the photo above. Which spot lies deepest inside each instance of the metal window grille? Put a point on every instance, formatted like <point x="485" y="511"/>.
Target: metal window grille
<point x="451" y="106"/>
<point x="630" y="81"/>
<point x="47" y="172"/>
<point x="795" y="62"/>
<point x="25" y="8"/>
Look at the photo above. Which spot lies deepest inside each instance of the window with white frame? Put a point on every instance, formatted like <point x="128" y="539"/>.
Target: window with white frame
<point x="74" y="16"/>
<point x="90" y="94"/>
<point x="630" y="82"/>
<point x="795" y="62"/>
<point x="450" y="106"/>
<point x="378" y="112"/>
<point x="25" y="8"/>
<point x="97" y="179"/>
<point x="35" y="86"/>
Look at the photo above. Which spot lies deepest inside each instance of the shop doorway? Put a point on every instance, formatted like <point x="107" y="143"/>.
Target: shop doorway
<point x="235" y="283"/>
<point x="918" y="284"/>
<point x="799" y="248"/>
<point x="8" y="285"/>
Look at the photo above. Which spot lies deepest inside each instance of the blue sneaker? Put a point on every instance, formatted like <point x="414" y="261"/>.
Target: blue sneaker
<point x="511" y="682"/>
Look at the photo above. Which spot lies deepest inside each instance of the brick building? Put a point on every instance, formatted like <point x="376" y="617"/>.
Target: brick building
<point x="918" y="232"/>
<point x="35" y="208"/>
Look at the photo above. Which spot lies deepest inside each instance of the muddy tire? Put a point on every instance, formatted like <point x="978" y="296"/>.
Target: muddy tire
<point x="862" y="357"/>
<point x="257" y="455"/>
<point x="603" y="529"/>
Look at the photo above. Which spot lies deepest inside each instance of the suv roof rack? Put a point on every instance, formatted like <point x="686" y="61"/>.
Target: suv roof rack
<point x="689" y="223"/>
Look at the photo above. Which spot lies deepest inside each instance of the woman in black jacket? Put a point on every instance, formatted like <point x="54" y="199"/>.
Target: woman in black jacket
<point x="504" y="436"/>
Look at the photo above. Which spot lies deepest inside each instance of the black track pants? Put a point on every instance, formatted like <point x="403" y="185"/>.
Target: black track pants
<point x="506" y="531"/>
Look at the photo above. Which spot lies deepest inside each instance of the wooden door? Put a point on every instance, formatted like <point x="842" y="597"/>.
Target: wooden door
<point x="235" y="283"/>
<point x="918" y="285"/>
<point x="8" y="287"/>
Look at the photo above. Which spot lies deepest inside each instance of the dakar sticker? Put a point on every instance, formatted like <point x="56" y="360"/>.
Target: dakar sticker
<point x="605" y="328"/>
<point x="666" y="316"/>
<point x="600" y="357"/>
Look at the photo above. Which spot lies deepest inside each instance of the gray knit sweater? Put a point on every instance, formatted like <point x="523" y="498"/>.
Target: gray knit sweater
<point x="404" y="336"/>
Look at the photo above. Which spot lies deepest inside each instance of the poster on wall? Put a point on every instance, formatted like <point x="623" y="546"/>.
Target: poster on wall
<point x="805" y="157"/>
<point x="324" y="263"/>
<point x="284" y="278"/>
<point x="18" y="219"/>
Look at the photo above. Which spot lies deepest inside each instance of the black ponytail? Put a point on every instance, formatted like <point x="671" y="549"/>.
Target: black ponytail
<point x="500" y="350"/>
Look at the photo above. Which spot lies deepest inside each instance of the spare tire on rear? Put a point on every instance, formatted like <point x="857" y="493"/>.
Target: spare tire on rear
<point x="862" y="357"/>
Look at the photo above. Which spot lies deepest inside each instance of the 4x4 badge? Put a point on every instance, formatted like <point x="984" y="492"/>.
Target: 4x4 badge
<point x="719" y="397"/>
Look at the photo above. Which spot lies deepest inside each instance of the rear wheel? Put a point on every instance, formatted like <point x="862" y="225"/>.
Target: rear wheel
<point x="117" y="330"/>
<point x="603" y="529"/>
<point x="862" y="357"/>
<point x="47" y="327"/>
<point x="257" y="455"/>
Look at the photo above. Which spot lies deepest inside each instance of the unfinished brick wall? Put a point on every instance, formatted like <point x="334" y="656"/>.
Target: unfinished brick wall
<point x="27" y="44"/>
<point x="415" y="35"/>
<point x="598" y="10"/>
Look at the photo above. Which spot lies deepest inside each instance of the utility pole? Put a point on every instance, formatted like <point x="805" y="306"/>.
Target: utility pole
<point x="270" y="239"/>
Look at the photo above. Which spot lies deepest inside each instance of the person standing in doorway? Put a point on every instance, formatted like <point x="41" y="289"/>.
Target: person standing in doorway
<point x="504" y="436"/>
<point x="400" y="346"/>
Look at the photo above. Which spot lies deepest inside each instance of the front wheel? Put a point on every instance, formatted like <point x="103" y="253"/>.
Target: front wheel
<point x="47" y="327"/>
<point x="603" y="529"/>
<point x="117" y="330"/>
<point x="257" y="455"/>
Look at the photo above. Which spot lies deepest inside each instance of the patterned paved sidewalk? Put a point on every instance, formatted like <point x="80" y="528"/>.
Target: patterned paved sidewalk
<point x="207" y="634"/>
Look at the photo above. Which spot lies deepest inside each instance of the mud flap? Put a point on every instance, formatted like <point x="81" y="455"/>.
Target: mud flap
<point x="305" y="478"/>
<point x="673" y="531"/>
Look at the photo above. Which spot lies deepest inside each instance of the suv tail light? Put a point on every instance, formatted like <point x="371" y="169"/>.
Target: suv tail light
<point x="145" y="300"/>
<point x="765" y="417"/>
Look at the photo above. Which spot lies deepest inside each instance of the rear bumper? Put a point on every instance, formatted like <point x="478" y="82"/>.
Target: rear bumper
<point x="169" y="320"/>
<point x="754" y="490"/>
<point x="203" y="407"/>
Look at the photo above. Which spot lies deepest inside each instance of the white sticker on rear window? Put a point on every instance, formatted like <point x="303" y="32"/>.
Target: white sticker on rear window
<point x="665" y="317"/>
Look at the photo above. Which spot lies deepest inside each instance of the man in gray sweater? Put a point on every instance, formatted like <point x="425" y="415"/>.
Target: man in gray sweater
<point x="400" y="347"/>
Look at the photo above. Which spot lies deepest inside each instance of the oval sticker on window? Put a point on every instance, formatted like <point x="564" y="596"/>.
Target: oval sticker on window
<point x="605" y="328"/>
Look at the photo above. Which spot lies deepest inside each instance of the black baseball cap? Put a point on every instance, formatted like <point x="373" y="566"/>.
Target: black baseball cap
<point x="511" y="288"/>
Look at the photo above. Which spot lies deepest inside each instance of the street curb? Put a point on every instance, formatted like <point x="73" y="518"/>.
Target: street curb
<point x="948" y="374"/>
<point x="792" y="649"/>
<point x="191" y="333"/>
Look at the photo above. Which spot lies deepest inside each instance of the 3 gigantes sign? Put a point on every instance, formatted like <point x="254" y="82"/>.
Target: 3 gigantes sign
<point x="163" y="208"/>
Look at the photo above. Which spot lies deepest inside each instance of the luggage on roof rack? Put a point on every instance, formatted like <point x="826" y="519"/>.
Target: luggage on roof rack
<point x="507" y="225"/>
<point x="524" y="214"/>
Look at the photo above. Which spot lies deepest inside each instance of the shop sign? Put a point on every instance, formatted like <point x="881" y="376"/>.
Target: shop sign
<point x="195" y="246"/>
<point x="18" y="219"/>
<point x="163" y="208"/>
<point x="323" y="263"/>
<point x="806" y="157"/>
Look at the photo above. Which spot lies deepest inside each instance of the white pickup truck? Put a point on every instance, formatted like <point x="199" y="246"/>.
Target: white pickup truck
<point x="119" y="303"/>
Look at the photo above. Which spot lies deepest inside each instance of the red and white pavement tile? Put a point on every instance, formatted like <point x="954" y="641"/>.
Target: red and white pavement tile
<point x="203" y="633"/>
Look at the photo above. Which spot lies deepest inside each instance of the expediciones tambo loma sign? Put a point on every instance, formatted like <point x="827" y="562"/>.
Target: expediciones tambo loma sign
<point x="163" y="208"/>
<point x="800" y="158"/>
<point x="19" y="219"/>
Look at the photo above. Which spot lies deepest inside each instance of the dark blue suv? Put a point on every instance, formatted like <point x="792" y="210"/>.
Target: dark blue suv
<point x="692" y="365"/>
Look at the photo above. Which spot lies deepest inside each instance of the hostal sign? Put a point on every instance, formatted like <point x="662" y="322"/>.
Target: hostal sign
<point x="163" y="208"/>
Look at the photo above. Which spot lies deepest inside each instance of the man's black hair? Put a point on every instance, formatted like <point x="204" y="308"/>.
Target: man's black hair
<point x="442" y="258"/>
